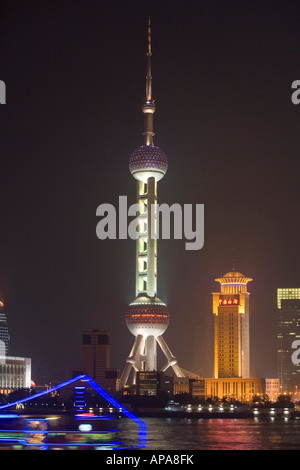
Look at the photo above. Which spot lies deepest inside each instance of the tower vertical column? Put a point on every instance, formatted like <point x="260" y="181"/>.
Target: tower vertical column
<point x="151" y="240"/>
<point x="139" y="242"/>
<point x="151" y="362"/>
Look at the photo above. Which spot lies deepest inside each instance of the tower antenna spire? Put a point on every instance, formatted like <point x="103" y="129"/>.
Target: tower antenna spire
<point x="149" y="54"/>
<point x="149" y="35"/>
<point x="149" y="104"/>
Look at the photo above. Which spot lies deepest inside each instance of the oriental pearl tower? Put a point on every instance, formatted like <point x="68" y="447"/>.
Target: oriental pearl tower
<point x="147" y="317"/>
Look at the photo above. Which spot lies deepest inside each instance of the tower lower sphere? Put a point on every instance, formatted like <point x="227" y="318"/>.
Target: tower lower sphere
<point x="147" y="316"/>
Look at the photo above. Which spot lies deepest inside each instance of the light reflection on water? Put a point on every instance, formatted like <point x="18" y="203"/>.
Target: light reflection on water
<point x="219" y="434"/>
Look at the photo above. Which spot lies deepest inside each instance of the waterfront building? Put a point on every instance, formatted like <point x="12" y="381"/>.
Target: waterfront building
<point x="288" y="331"/>
<point x="96" y="359"/>
<point x="242" y="389"/>
<point x="197" y="387"/>
<point x="272" y="389"/>
<point x="153" y="382"/>
<point x="147" y="317"/>
<point x="147" y="383"/>
<point x="181" y="385"/>
<point x="15" y="373"/>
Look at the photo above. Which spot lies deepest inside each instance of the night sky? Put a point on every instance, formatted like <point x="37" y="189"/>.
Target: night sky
<point x="75" y="79"/>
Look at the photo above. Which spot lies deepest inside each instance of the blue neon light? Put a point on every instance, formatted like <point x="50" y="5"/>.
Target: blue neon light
<point x="142" y="433"/>
<point x="71" y="444"/>
<point x="8" y="416"/>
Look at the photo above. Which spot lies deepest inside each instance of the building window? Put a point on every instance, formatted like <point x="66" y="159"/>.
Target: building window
<point x="103" y="339"/>
<point x="86" y="339"/>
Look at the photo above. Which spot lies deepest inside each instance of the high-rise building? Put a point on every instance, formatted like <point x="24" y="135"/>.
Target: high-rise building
<point x="232" y="346"/>
<point x="231" y="327"/>
<point x="15" y="372"/>
<point x="147" y="317"/>
<point x="4" y="333"/>
<point x="288" y="330"/>
<point x="96" y="359"/>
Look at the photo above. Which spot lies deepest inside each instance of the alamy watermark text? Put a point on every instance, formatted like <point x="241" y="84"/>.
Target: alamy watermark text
<point x="188" y="222"/>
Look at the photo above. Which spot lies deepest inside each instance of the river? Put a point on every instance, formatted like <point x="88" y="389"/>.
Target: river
<point x="265" y="433"/>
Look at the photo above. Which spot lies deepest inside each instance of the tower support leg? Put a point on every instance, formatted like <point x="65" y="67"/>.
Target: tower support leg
<point x="132" y="360"/>
<point x="172" y="361"/>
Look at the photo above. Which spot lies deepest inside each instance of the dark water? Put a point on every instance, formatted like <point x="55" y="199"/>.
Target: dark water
<point x="168" y="434"/>
<point x="220" y="434"/>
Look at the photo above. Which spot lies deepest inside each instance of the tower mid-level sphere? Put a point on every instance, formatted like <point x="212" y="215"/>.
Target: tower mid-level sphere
<point x="147" y="317"/>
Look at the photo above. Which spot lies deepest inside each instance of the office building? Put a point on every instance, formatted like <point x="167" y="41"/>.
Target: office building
<point x="152" y="382"/>
<point x="197" y="387"/>
<point x="96" y="359"/>
<point x="181" y="385"/>
<point x="272" y="389"/>
<point x="232" y="377"/>
<point x="288" y="331"/>
<point x="231" y="327"/>
<point x="15" y="372"/>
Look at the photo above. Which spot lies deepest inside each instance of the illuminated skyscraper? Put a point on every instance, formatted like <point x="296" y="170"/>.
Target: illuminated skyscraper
<point x="15" y="372"/>
<point x="231" y="327"/>
<point x="147" y="317"/>
<point x="288" y="330"/>
<point x="4" y="333"/>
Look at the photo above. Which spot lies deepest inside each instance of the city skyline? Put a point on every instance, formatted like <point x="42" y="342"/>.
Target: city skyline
<point x="75" y="84"/>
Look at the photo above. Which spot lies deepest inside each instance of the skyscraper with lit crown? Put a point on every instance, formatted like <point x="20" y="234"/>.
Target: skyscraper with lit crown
<point x="147" y="316"/>
<point x="232" y="346"/>
<point x="231" y="327"/>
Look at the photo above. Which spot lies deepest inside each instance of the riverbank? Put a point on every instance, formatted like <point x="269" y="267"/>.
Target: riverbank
<point x="205" y="414"/>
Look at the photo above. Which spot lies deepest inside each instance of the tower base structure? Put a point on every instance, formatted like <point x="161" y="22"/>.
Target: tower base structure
<point x="143" y="358"/>
<point x="147" y="318"/>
